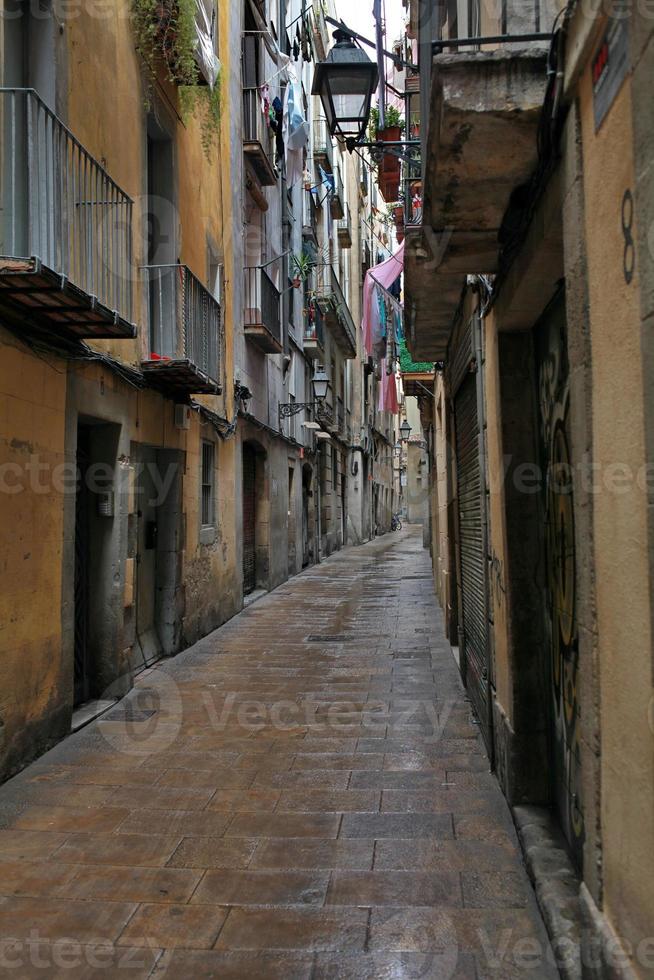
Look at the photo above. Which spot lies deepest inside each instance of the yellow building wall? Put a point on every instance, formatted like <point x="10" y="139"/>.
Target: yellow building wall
<point x="620" y="523"/>
<point x="32" y="417"/>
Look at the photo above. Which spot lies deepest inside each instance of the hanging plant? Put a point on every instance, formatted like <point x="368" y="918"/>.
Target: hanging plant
<point x="165" y="34"/>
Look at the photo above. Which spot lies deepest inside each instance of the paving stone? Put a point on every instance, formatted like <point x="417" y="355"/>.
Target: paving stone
<point x="175" y="823"/>
<point x="300" y="929"/>
<point x="392" y="966"/>
<point x="494" y="890"/>
<point x="216" y="965"/>
<point x="213" y="852"/>
<point x="137" y="850"/>
<point x="378" y="888"/>
<point x="244" y="801"/>
<point x="171" y="926"/>
<point x="305" y="853"/>
<point x="283" y="825"/>
<point x="132" y="884"/>
<point x="262" y="888"/>
<point x="29" y="845"/>
<point x="53" y="919"/>
<point x="396" y="825"/>
<point x="327" y="801"/>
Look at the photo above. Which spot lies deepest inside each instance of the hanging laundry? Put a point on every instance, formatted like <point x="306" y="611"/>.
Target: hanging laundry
<point x="296" y="129"/>
<point x="277" y="127"/>
<point x="384" y="274"/>
<point x="328" y="181"/>
<point x="264" y="95"/>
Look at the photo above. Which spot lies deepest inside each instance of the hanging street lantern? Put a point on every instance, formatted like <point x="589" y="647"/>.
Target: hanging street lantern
<point x="320" y="384"/>
<point x="346" y="82"/>
<point x="405" y="431"/>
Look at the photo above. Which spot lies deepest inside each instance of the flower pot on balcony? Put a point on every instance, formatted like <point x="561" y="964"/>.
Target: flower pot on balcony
<point x="389" y="168"/>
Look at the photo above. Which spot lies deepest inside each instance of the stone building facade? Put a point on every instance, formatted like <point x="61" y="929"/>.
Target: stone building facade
<point x="529" y="282"/>
<point x="151" y="324"/>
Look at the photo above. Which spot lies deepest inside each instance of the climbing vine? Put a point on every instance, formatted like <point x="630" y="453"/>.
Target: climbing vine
<point x="165" y="34"/>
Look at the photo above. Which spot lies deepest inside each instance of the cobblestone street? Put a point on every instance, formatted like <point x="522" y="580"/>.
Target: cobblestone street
<point x="302" y="794"/>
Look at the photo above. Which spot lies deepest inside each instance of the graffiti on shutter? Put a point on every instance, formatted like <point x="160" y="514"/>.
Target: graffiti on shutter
<point x="560" y="598"/>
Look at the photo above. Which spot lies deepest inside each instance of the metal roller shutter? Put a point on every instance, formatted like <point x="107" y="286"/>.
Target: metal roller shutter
<point x="472" y="551"/>
<point x="249" y="521"/>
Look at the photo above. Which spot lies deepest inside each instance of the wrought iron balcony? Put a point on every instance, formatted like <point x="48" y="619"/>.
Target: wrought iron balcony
<point x="332" y="304"/>
<point x="257" y="139"/>
<point x="314" y="335"/>
<point x="262" y="319"/>
<point x="65" y="228"/>
<point x="323" y="149"/>
<point x="345" y="229"/>
<point x="338" y="197"/>
<point x="185" y="332"/>
<point x="309" y="217"/>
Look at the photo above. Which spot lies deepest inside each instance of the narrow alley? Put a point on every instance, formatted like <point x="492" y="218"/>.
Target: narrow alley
<point x="301" y="794"/>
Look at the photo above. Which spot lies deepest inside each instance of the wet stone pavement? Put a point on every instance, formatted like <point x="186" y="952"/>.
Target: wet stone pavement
<point x="302" y="794"/>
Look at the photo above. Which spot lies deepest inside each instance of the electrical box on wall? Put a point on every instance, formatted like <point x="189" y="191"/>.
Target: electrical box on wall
<point x="106" y="503"/>
<point x="182" y="417"/>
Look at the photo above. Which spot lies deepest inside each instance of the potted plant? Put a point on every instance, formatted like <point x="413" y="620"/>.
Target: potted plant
<point x="389" y="168"/>
<point x="302" y="265"/>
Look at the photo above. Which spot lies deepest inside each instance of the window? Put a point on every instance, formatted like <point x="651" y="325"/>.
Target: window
<point x="208" y="506"/>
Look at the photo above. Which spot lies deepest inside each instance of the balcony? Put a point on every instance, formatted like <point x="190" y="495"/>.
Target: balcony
<point x="332" y="304"/>
<point x="323" y="151"/>
<point x="344" y="229"/>
<point x="257" y="139"/>
<point x="65" y="229"/>
<point x="314" y="334"/>
<point x="481" y="144"/>
<point x="337" y="203"/>
<point x="309" y="218"/>
<point x="185" y="333"/>
<point x="262" y="320"/>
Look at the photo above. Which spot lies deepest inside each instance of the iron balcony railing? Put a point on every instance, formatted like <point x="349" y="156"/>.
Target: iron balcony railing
<point x="255" y="129"/>
<point x="344" y="228"/>
<point x="309" y="216"/>
<point x="328" y="290"/>
<point x="314" y="332"/>
<point x="340" y="415"/>
<point x="262" y="302"/>
<point x="322" y="144"/>
<point x="60" y="205"/>
<point x="185" y="320"/>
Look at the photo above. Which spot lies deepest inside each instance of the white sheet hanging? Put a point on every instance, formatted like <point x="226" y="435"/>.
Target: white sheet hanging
<point x="205" y="48"/>
<point x="296" y="129"/>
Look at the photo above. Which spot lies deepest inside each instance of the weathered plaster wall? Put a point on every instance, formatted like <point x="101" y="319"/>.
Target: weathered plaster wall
<point x="620" y="520"/>
<point x="35" y="685"/>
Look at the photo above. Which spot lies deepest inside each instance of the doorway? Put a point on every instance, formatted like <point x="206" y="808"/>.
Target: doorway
<point x="307" y="524"/>
<point x="255" y="547"/>
<point x="158" y="543"/>
<point x="96" y="557"/>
